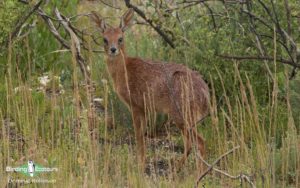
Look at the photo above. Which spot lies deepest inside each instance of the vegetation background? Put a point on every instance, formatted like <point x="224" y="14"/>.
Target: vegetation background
<point x="248" y="52"/>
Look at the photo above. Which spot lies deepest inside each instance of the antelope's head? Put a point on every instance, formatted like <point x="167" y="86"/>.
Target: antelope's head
<point x="113" y="37"/>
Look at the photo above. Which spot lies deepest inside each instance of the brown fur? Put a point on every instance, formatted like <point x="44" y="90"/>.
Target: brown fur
<point x="167" y="88"/>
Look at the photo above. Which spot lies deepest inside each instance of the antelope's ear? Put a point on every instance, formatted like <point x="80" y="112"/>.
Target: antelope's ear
<point x="100" y="22"/>
<point x="127" y="19"/>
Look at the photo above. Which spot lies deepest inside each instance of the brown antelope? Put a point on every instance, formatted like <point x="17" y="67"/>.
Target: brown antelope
<point x="170" y="88"/>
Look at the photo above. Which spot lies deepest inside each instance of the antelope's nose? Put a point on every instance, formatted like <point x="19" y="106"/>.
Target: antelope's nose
<point x="113" y="50"/>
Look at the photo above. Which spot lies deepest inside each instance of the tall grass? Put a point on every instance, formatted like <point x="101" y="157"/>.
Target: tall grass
<point x="44" y="126"/>
<point x="61" y="129"/>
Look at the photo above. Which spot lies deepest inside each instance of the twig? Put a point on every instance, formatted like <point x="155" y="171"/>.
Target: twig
<point x="150" y="22"/>
<point x="259" y="58"/>
<point x="212" y="15"/>
<point x="50" y="25"/>
<point x="260" y="45"/>
<point x="293" y="73"/>
<point x="279" y="30"/>
<point x="48" y="20"/>
<point x="53" y="30"/>
<point x="261" y="20"/>
<point x="183" y="7"/>
<point x="109" y="5"/>
<point x="23" y="20"/>
<point x="76" y="52"/>
<point x="288" y="16"/>
<point x="287" y="42"/>
<point x="284" y="45"/>
<point x="74" y="38"/>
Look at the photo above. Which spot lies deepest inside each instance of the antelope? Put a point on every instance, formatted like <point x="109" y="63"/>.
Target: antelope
<point x="170" y="88"/>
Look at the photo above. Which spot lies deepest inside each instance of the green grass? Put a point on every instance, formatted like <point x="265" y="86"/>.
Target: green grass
<point x="46" y="122"/>
<point x="42" y="122"/>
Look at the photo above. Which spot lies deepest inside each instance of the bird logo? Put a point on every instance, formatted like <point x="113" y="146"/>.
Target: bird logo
<point x="31" y="168"/>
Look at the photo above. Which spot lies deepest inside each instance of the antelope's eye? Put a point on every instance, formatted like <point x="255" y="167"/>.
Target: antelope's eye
<point x="120" y="40"/>
<point x="105" y="41"/>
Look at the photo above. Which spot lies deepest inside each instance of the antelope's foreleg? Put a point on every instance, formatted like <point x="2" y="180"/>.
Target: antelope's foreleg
<point x="139" y="122"/>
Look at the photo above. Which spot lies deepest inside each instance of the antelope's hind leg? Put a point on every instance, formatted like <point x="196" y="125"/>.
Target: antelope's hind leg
<point x="191" y="137"/>
<point x="187" y="140"/>
<point x="199" y="142"/>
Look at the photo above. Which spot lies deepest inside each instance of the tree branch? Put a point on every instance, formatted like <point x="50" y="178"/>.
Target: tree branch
<point x="259" y="58"/>
<point x="74" y="38"/>
<point x="150" y="22"/>
<point x="22" y="21"/>
<point x="109" y="5"/>
<point x="53" y="30"/>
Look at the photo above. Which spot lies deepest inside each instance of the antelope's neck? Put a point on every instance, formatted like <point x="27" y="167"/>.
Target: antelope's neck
<point x="117" y="69"/>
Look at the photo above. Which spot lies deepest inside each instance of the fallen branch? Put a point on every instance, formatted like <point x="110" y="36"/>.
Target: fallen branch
<point x="211" y="167"/>
<point x="213" y="164"/>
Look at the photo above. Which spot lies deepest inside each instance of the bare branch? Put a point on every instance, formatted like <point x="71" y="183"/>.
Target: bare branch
<point x="214" y="163"/>
<point x="53" y="30"/>
<point x="211" y="167"/>
<point x="23" y="20"/>
<point x="259" y="58"/>
<point x="83" y="67"/>
<point x="109" y="5"/>
<point x="212" y="15"/>
<point x="183" y="7"/>
<point x="150" y="22"/>
<point x="288" y="16"/>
